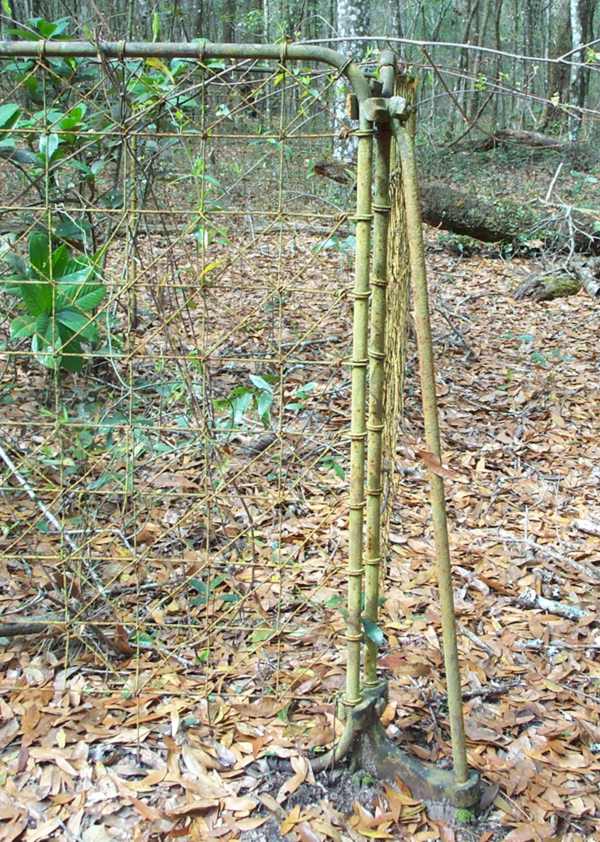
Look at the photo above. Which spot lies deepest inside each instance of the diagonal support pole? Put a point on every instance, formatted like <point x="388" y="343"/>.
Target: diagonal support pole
<point x="404" y="136"/>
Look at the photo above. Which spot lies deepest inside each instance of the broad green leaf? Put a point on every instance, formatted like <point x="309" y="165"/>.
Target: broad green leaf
<point x="90" y="300"/>
<point x="263" y="405"/>
<point x="82" y="168"/>
<point x="260" y="635"/>
<point x="303" y="392"/>
<point x="71" y="229"/>
<point x="51" y="29"/>
<point x="46" y="350"/>
<point x="39" y="252"/>
<point x="48" y="145"/>
<point x="240" y="405"/>
<point x="18" y="265"/>
<point x="74" y="281"/>
<point x="72" y="360"/>
<point x="261" y="384"/>
<point x="338" y="470"/>
<point x="73" y="117"/>
<point x="48" y="116"/>
<point x="69" y="349"/>
<point x="78" y="323"/>
<point x="198" y="585"/>
<point x="334" y="601"/>
<point x="24" y="34"/>
<point x="9" y="114"/>
<point x="42" y="324"/>
<point x="37" y="297"/>
<point x="373" y="632"/>
<point x="22" y="326"/>
<point x="60" y="261"/>
<point x="144" y="640"/>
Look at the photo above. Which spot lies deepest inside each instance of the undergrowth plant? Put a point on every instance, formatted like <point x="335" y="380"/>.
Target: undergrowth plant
<point x="57" y="294"/>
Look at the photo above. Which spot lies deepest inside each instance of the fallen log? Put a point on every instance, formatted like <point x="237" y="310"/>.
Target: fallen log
<point x="547" y="286"/>
<point x="567" y="280"/>
<point x="588" y="273"/>
<point x="524" y="138"/>
<point x="504" y="221"/>
<point x="507" y="221"/>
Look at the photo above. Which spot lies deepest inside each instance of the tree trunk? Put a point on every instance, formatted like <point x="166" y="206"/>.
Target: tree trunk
<point x="229" y="21"/>
<point x="558" y="74"/>
<point x="576" y="69"/>
<point x="352" y="23"/>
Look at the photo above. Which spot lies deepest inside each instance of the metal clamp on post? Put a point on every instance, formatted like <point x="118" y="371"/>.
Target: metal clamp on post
<point x="376" y="109"/>
<point x="398" y="108"/>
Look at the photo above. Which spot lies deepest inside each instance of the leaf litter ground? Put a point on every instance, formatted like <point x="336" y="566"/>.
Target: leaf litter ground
<point x="138" y="741"/>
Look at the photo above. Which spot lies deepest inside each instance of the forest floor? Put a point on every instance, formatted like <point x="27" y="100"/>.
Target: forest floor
<point x="519" y="387"/>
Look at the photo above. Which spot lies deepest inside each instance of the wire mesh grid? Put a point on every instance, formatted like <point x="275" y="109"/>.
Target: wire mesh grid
<point x="176" y="320"/>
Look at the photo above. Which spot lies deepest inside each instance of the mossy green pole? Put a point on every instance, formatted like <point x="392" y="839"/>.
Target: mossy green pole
<point x="378" y="283"/>
<point x="404" y="136"/>
<point x="200" y="50"/>
<point x="358" y="430"/>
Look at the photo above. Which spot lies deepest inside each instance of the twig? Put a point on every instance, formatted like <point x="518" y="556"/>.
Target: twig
<point x="553" y="182"/>
<point x="455" y="331"/>
<point x="415" y="42"/>
<point x="43" y="625"/>
<point x="473" y="122"/>
<point x="476" y="641"/>
<point x="52" y="520"/>
<point x="437" y="72"/>
<point x="37" y="626"/>
<point x="582" y="569"/>
<point x="530" y="599"/>
<point x="493" y="691"/>
<point x="487" y="692"/>
<point x="585" y="273"/>
<point x="590" y="527"/>
<point x="41" y="506"/>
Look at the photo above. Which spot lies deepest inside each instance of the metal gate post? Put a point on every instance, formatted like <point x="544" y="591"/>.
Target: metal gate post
<point x="375" y="424"/>
<point x="358" y="430"/>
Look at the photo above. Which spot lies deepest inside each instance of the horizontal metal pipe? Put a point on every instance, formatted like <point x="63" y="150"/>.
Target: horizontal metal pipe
<point x="200" y="50"/>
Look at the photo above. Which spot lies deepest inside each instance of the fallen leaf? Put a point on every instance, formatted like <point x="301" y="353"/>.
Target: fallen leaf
<point x="290" y="786"/>
<point x="96" y="833"/>
<point x="434" y="465"/>
<point x="306" y="833"/>
<point x="43" y="830"/>
<point x="292" y="819"/>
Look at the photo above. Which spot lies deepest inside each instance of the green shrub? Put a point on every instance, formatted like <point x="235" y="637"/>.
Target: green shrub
<point x="59" y="294"/>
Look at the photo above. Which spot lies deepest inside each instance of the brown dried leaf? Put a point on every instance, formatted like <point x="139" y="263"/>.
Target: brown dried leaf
<point x="433" y="464"/>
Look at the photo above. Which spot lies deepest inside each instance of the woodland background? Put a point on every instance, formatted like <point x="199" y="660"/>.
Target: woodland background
<point x="113" y="735"/>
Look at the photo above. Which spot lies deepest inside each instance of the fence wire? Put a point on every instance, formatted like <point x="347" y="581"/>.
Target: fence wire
<point x="175" y="325"/>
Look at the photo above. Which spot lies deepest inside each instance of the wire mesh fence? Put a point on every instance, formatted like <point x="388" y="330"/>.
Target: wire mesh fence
<point x="176" y="320"/>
